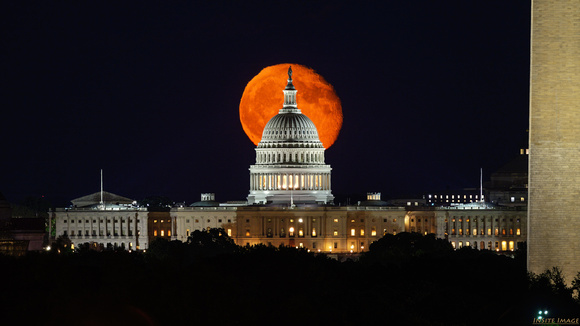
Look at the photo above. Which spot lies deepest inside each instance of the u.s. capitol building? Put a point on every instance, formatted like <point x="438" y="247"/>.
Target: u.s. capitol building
<point x="290" y="203"/>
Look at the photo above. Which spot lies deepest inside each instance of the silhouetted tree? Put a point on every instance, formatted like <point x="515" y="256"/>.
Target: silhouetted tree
<point x="211" y="242"/>
<point x="404" y="246"/>
<point x="62" y="244"/>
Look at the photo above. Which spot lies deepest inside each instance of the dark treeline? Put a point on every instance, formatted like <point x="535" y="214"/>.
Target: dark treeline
<point x="407" y="279"/>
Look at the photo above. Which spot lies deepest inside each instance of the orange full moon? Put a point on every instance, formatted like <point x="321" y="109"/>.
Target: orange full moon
<point x="263" y="98"/>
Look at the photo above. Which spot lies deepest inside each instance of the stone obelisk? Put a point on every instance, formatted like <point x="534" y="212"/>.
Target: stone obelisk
<point x="554" y="161"/>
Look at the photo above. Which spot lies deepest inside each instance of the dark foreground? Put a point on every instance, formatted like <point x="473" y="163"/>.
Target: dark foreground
<point x="406" y="279"/>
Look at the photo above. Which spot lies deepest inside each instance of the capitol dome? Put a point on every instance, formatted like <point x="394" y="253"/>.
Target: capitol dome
<point x="290" y="126"/>
<point x="290" y="159"/>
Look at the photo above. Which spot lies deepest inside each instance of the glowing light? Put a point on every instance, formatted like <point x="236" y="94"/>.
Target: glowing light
<point x="316" y="98"/>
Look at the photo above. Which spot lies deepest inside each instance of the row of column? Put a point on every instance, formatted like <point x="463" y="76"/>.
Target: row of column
<point x="98" y="226"/>
<point x="489" y="228"/>
<point x="291" y="157"/>
<point x="290" y="181"/>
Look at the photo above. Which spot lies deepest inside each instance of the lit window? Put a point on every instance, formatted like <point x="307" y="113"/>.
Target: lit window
<point x="168" y="233"/>
<point x="161" y="221"/>
<point x="291" y="231"/>
<point x="352" y="232"/>
<point x="300" y="233"/>
<point x="474" y="232"/>
<point x="511" y="246"/>
<point x="247" y="233"/>
<point x="467" y="243"/>
<point x="453" y="244"/>
<point x="313" y="232"/>
<point x="496" y="231"/>
<point x="162" y="233"/>
<point x="503" y="246"/>
<point x="291" y="220"/>
<point x="518" y="232"/>
<point x="229" y="232"/>
<point x="335" y="220"/>
<point x="300" y="220"/>
<point x="373" y="231"/>
<point x="489" y="231"/>
<point x="513" y="199"/>
<point x="460" y="244"/>
<point x="154" y="233"/>
<point x="522" y="199"/>
<point x="362" y="232"/>
<point x="335" y="233"/>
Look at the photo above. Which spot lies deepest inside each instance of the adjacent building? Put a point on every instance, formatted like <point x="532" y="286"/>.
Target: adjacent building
<point x="103" y="220"/>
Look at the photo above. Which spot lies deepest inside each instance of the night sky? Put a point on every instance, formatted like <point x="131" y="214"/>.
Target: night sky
<point x="431" y="92"/>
